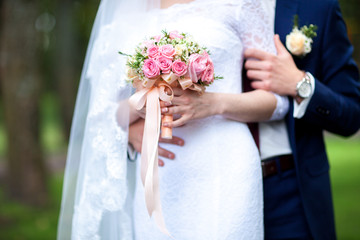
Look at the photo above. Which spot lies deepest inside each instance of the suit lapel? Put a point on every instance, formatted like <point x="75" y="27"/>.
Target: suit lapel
<point x="284" y="15"/>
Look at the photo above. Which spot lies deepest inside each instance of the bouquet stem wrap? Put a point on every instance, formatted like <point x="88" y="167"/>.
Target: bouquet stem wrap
<point x="166" y="132"/>
<point x="149" y="153"/>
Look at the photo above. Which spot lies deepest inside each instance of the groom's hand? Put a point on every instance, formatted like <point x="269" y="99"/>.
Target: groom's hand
<point x="276" y="73"/>
<point x="136" y="131"/>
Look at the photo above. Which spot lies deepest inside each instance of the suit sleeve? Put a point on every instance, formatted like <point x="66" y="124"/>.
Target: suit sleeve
<point x="335" y="105"/>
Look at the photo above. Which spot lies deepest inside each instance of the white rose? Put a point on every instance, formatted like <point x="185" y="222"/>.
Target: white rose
<point x="297" y="43"/>
<point x="179" y="49"/>
<point x="130" y="74"/>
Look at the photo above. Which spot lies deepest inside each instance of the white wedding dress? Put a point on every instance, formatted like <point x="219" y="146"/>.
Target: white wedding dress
<point x="213" y="189"/>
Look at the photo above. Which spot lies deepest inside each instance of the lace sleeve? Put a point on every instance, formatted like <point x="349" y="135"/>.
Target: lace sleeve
<point x="256" y="24"/>
<point x="256" y="19"/>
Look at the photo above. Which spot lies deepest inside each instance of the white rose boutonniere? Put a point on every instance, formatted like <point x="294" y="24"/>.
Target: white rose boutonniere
<point x="299" y="41"/>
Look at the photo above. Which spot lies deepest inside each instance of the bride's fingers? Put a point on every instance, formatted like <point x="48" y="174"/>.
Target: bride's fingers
<point x="165" y="104"/>
<point x="177" y="123"/>
<point x="165" y="153"/>
<point x="174" y="110"/>
<point x="181" y="100"/>
<point x="175" y="140"/>
<point x="161" y="163"/>
<point x="178" y="91"/>
<point x="164" y="110"/>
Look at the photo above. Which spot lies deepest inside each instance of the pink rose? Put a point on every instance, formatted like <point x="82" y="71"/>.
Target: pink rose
<point x="208" y="75"/>
<point x="167" y="51"/>
<point x="197" y="65"/>
<point x="179" y="68"/>
<point x="164" y="64"/>
<point x="148" y="43"/>
<point x="175" y="34"/>
<point x="153" y="51"/>
<point x="157" y="38"/>
<point x="151" y="68"/>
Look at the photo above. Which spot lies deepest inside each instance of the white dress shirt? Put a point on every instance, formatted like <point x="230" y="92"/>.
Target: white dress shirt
<point x="273" y="135"/>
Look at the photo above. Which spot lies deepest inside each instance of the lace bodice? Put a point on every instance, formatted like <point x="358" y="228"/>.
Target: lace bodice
<point x="229" y="27"/>
<point x="249" y="20"/>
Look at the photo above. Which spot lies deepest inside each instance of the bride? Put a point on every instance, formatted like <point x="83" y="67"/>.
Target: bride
<point x="214" y="188"/>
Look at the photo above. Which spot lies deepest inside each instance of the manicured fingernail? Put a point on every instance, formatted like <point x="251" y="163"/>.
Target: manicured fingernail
<point x="171" y="156"/>
<point x="164" y="110"/>
<point x="167" y="104"/>
<point x="165" y="124"/>
<point x="181" y="143"/>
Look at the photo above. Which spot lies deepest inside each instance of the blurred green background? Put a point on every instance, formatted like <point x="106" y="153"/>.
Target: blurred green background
<point x="41" y="110"/>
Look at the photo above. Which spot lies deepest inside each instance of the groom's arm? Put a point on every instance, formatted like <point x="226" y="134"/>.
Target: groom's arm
<point x="335" y="103"/>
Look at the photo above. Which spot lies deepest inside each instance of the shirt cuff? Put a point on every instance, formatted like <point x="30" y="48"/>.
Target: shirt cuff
<point x="300" y="109"/>
<point x="132" y="154"/>
<point x="282" y="107"/>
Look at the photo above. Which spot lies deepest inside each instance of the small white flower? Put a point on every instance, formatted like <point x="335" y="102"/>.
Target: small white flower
<point x="297" y="43"/>
<point x="179" y="49"/>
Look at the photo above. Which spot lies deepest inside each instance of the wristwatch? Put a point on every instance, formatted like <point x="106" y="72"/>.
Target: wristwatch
<point x="303" y="88"/>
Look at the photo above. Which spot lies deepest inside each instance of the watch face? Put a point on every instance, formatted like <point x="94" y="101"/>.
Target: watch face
<point x="304" y="90"/>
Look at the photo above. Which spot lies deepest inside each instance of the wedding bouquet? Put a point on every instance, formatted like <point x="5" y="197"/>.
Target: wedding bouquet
<point x="170" y="60"/>
<point x="159" y="64"/>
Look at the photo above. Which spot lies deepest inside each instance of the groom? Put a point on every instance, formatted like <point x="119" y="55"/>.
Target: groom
<point x="324" y="90"/>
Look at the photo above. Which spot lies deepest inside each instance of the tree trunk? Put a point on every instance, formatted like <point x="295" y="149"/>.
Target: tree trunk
<point x="21" y="94"/>
<point x="66" y="62"/>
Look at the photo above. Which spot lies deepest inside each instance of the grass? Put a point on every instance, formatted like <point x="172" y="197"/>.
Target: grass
<point x="345" y="167"/>
<point x="21" y="222"/>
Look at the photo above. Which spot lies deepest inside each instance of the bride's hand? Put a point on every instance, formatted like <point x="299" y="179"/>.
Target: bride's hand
<point x="136" y="131"/>
<point x="190" y="105"/>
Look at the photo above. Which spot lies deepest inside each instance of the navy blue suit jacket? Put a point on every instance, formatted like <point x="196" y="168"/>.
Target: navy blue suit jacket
<point x="335" y="105"/>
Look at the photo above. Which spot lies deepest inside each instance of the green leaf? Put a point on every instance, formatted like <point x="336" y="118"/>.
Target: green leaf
<point x="124" y="54"/>
<point x="310" y="31"/>
<point x="296" y="20"/>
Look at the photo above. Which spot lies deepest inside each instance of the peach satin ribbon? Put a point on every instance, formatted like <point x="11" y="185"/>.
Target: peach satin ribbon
<point x="151" y="94"/>
<point x="149" y="152"/>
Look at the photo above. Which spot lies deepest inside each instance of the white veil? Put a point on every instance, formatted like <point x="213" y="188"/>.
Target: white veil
<point x="96" y="191"/>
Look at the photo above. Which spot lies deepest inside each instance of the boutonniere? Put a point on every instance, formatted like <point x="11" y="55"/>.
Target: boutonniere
<point x="299" y="41"/>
